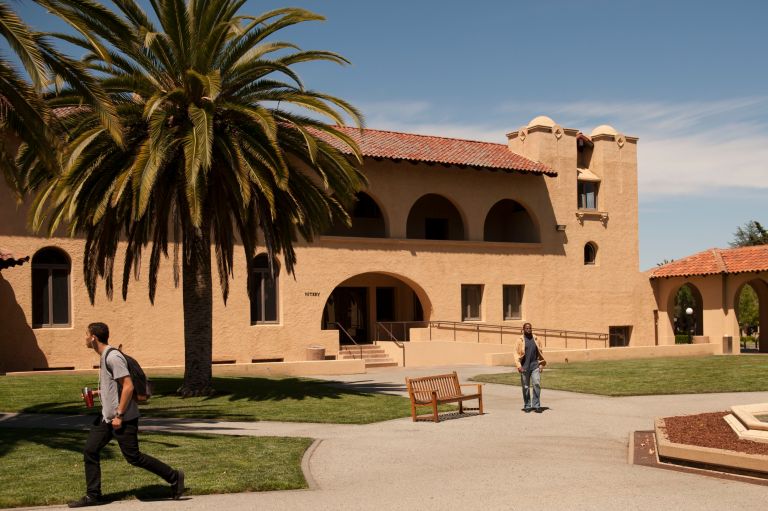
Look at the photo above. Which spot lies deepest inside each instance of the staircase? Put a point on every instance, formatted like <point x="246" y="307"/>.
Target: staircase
<point x="373" y="355"/>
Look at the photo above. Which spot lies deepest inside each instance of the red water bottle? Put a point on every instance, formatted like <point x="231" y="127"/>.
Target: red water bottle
<point x="88" y="396"/>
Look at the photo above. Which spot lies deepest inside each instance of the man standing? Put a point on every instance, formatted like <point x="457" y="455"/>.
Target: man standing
<point x="530" y="362"/>
<point x="119" y="419"/>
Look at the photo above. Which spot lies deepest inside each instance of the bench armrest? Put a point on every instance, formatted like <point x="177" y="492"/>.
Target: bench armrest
<point x="478" y="385"/>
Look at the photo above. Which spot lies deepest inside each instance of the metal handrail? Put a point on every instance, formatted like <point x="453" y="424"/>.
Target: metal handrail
<point x="518" y="330"/>
<point x="405" y="326"/>
<point x="344" y="330"/>
<point x="391" y="338"/>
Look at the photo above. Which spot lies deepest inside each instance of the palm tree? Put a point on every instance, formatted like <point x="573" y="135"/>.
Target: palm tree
<point x="220" y="140"/>
<point x="26" y="126"/>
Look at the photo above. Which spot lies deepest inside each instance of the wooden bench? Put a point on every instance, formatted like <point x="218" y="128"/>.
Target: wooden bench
<point x="441" y="388"/>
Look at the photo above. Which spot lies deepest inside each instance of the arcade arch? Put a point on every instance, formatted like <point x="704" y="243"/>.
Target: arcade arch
<point x="684" y="297"/>
<point x="367" y="220"/>
<point x="509" y="221"/>
<point x="433" y="217"/>
<point x="759" y="312"/>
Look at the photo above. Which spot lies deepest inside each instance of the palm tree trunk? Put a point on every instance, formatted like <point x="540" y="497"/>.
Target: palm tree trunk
<point x="198" y="313"/>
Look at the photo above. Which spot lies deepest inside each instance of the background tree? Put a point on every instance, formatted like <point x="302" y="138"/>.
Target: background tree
<point x="750" y="235"/>
<point x="217" y="145"/>
<point x="748" y="310"/>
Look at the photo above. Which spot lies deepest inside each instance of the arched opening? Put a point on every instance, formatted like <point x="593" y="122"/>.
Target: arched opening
<point x="751" y="304"/>
<point x="51" y="295"/>
<point x="686" y="311"/>
<point x="375" y="306"/>
<point x="433" y="217"/>
<point x="590" y="253"/>
<point x="509" y="221"/>
<point x="264" y="291"/>
<point x="367" y="220"/>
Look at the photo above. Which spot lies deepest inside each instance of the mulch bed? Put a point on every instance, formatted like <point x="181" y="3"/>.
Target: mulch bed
<point x="709" y="430"/>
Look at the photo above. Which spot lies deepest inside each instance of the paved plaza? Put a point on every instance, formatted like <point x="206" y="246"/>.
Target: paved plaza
<point x="572" y="457"/>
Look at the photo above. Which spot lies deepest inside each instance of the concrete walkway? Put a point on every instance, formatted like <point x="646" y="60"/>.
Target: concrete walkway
<point x="572" y="457"/>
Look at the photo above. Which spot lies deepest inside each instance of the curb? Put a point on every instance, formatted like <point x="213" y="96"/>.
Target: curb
<point x="311" y="482"/>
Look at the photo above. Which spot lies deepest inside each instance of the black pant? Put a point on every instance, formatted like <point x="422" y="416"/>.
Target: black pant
<point x="128" y="440"/>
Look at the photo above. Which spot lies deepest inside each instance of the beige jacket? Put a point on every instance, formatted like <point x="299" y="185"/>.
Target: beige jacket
<point x="520" y="352"/>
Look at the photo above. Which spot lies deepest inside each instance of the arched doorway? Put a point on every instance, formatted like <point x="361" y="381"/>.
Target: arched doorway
<point x="433" y="217"/>
<point x="509" y="221"/>
<point x="684" y="325"/>
<point x="373" y="306"/>
<point x="751" y="305"/>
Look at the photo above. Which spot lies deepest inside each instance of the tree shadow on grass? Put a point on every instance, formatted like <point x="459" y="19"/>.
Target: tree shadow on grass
<point x="235" y="397"/>
<point x="69" y="440"/>
<point x="268" y="389"/>
<point x="234" y="389"/>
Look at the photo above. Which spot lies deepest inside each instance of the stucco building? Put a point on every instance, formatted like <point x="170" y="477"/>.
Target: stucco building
<point x="543" y="229"/>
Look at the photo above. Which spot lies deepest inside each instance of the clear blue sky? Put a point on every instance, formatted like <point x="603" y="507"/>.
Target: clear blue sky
<point x="689" y="78"/>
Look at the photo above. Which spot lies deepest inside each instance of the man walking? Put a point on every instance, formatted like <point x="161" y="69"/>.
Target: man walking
<point x="119" y="419"/>
<point x="530" y="362"/>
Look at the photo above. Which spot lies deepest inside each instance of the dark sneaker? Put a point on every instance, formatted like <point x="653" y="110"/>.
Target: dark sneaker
<point x="177" y="487"/>
<point x="539" y="410"/>
<point x="527" y="410"/>
<point x="86" y="501"/>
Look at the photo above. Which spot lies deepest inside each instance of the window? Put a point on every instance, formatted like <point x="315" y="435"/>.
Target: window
<point x="590" y="253"/>
<point x="263" y="291"/>
<point x="513" y="299"/>
<point x="50" y="288"/>
<point x="619" y="335"/>
<point x="588" y="194"/>
<point x="471" y="298"/>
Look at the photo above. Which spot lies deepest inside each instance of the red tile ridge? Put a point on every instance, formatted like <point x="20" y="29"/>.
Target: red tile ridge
<point x="719" y="260"/>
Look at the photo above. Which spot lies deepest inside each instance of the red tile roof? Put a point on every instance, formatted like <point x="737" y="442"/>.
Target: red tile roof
<point x="7" y="260"/>
<point x="449" y="151"/>
<point x="716" y="260"/>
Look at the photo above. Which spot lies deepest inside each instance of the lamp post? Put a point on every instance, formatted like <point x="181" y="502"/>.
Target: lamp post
<point x="689" y="313"/>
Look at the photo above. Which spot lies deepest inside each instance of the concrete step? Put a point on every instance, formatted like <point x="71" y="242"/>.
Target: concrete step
<point x="364" y="347"/>
<point x="373" y="355"/>
<point x="365" y="355"/>
<point x="391" y="363"/>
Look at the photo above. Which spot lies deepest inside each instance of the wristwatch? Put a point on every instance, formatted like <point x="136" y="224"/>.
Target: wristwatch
<point x="119" y="415"/>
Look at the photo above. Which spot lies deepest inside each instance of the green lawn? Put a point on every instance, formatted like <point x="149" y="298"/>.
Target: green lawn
<point x="45" y="467"/>
<point x="698" y="375"/>
<point x="238" y="399"/>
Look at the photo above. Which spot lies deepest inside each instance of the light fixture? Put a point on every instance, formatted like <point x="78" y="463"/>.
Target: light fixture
<point x="560" y="227"/>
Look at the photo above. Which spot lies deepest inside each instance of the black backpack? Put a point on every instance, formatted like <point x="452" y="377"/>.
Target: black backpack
<point x="142" y="386"/>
